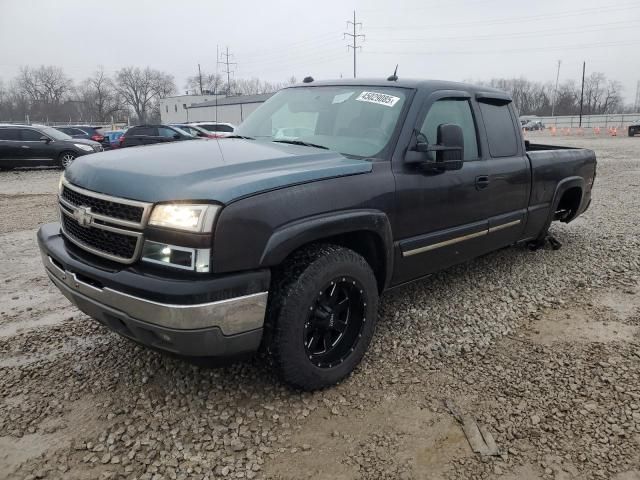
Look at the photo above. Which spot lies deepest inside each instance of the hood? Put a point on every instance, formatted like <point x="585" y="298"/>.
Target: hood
<point x="83" y="141"/>
<point x="221" y="171"/>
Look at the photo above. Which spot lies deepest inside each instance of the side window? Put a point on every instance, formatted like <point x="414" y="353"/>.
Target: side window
<point x="501" y="134"/>
<point x="9" y="134"/>
<point x="225" y="128"/>
<point x="29" y="135"/>
<point x="144" y="131"/>
<point x="166" y="132"/>
<point x="456" y="111"/>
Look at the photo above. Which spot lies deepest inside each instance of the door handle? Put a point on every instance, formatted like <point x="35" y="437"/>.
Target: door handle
<point x="25" y="146"/>
<point x="482" y="182"/>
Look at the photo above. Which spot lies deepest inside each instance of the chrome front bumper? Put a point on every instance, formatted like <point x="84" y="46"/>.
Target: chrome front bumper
<point x="231" y="316"/>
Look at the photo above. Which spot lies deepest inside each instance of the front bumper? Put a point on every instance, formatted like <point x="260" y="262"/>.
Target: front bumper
<point x="197" y="315"/>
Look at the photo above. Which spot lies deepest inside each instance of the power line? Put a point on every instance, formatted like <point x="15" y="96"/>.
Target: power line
<point x="536" y="33"/>
<point x="354" y="37"/>
<point x="498" y="21"/>
<point x="501" y="51"/>
<point x="227" y="69"/>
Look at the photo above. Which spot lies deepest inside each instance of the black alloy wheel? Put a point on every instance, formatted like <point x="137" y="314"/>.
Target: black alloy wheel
<point x="335" y="322"/>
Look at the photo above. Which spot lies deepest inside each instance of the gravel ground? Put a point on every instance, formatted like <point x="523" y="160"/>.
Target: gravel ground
<point x="541" y="348"/>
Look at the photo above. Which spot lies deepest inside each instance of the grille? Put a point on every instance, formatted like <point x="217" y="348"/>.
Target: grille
<point x="113" y="243"/>
<point x="103" y="207"/>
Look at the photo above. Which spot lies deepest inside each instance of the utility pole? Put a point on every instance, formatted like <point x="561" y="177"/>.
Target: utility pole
<point x="637" y="104"/>
<point x="200" y="78"/>
<point x="555" y="91"/>
<point x="582" y="93"/>
<point x="354" y="36"/>
<point x="227" y="69"/>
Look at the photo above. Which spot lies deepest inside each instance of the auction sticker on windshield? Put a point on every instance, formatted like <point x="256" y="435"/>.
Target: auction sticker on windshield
<point x="379" y="98"/>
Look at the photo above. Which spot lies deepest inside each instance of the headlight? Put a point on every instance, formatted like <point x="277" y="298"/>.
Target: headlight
<point x="60" y="184"/>
<point x="82" y="146"/>
<point x="190" y="218"/>
<point x="195" y="259"/>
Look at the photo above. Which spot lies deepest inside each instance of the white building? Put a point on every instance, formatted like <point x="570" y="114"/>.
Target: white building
<point x="174" y="109"/>
<point x="228" y="110"/>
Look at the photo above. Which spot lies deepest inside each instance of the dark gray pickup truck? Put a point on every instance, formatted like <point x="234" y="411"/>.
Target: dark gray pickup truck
<point x="284" y="235"/>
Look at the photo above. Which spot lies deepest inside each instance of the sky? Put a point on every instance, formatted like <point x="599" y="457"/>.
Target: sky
<point x="463" y="40"/>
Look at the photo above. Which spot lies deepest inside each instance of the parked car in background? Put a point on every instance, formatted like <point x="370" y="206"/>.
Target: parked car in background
<point x="633" y="129"/>
<point x="194" y="130"/>
<point x="113" y="137"/>
<point x="150" y="134"/>
<point x="35" y="145"/>
<point x="533" y="125"/>
<point x="88" y="132"/>
<point x="218" y="129"/>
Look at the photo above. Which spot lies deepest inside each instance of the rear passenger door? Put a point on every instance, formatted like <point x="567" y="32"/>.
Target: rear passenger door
<point x="10" y="150"/>
<point x="509" y="177"/>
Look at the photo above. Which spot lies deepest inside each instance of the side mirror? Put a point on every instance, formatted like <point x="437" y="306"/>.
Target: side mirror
<point x="45" y="139"/>
<point x="449" y="150"/>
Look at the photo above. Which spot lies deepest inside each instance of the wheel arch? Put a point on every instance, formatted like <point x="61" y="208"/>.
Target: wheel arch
<point x="367" y="232"/>
<point x="570" y="190"/>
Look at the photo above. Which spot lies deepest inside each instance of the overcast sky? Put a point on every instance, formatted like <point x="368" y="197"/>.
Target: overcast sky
<point x="273" y="40"/>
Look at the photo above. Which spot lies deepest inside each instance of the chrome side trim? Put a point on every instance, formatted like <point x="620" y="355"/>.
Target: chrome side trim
<point x="445" y="243"/>
<point x="232" y="316"/>
<point x="102" y="253"/>
<point x="462" y="238"/>
<point x="504" y="225"/>
<point x="125" y="201"/>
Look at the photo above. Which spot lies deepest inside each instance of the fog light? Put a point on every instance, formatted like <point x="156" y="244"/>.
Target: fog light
<point x="195" y="259"/>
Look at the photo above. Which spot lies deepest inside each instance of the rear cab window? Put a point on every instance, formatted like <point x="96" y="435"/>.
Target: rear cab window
<point x="498" y="123"/>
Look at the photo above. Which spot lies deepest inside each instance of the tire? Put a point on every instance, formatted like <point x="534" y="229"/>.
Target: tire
<point x="66" y="159"/>
<point x="631" y="134"/>
<point x="321" y="316"/>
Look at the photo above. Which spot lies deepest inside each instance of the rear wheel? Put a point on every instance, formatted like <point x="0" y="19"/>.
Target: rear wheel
<point x="321" y="316"/>
<point x="66" y="159"/>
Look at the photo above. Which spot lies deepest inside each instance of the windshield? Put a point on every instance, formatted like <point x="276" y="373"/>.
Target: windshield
<point x="352" y="120"/>
<point x="55" y="133"/>
<point x="184" y="132"/>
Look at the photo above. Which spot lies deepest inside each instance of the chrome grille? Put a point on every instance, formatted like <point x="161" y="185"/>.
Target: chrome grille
<point x="106" y="226"/>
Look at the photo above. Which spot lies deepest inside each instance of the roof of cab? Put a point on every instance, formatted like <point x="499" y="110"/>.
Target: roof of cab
<point x="412" y="83"/>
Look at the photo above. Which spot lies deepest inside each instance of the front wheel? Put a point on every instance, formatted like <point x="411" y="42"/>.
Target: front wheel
<point x="322" y="314"/>
<point x="66" y="159"/>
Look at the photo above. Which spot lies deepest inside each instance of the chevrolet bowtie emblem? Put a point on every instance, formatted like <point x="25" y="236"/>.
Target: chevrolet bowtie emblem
<point x="83" y="216"/>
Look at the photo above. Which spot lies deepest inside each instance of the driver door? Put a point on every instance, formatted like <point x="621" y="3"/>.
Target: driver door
<point x="441" y="216"/>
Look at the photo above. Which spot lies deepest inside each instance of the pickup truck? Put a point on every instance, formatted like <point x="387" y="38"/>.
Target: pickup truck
<point x="284" y="243"/>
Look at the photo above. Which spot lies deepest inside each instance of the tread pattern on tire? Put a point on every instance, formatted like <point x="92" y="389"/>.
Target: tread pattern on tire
<point x="290" y="281"/>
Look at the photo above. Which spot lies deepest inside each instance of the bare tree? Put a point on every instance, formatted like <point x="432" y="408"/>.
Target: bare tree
<point x="100" y="97"/>
<point x="45" y="84"/>
<point x="254" y="86"/>
<point x="211" y="84"/>
<point x="141" y="89"/>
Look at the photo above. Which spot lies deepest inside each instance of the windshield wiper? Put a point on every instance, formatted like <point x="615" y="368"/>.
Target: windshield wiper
<point x="244" y="137"/>
<point x="300" y="142"/>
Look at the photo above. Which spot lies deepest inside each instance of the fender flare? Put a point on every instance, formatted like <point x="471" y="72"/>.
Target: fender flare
<point x="562" y="186"/>
<point x="294" y="235"/>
